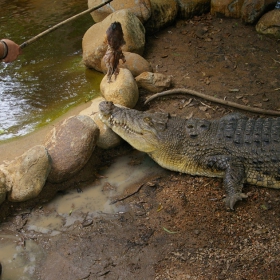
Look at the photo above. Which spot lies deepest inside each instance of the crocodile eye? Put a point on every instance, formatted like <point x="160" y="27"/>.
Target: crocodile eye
<point x="190" y="126"/>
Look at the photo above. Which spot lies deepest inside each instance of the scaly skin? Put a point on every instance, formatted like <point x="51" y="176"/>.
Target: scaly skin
<point x="236" y="148"/>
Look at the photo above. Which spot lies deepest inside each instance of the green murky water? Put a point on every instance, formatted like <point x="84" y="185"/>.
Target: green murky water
<point x="49" y="78"/>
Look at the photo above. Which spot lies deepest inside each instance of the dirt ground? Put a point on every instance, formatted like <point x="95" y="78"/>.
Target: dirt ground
<point x="175" y="225"/>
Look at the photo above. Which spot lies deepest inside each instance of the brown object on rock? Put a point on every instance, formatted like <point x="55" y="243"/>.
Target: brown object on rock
<point x="115" y="40"/>
<point x="135" y="63"/>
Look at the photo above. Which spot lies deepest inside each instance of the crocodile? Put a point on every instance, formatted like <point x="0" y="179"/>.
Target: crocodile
<point x="235" y="147"/>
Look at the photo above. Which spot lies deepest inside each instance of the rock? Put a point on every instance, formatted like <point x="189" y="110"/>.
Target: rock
<point x="141" y="9"/>
<point x="94" y="46"/>
<point x="26" y="175"/>
<point x="93" y="108"/>
<point x="269" y="24"/>
<point x="226" y="8"/>
<point x="135" y="63"/>
<point x="154" y="82"/>
<point x="164" y="13"/>
<point x="252" y="10"/>
<point x="3" y="189"/>
<point x="70" y="146"/>
<point x="123" y="90"/>
<point x="188" y="9"/>
<point x="107" y="137"/>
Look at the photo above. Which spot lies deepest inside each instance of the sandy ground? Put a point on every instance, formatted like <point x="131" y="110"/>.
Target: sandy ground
<point x="175" y="226"/>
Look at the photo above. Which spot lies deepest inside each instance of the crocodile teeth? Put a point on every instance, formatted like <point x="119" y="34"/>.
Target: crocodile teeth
<point x="115" y="123"/>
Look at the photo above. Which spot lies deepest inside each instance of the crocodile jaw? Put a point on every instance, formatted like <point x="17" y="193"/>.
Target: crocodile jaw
<point x="130" y="125"/>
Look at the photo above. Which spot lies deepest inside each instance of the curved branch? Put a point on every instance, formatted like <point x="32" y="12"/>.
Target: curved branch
<point x="213" y="99"/>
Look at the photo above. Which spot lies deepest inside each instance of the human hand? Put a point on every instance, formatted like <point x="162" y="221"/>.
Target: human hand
<point x="14" y="50"/>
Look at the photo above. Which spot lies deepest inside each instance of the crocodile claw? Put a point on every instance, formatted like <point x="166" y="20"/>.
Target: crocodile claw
<point x="231" y="200"/>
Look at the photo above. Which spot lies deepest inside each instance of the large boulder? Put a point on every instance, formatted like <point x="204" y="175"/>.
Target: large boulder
<point x="269" y="24"/>
<point x="226" y="8"/>
<point x="188" y="9"/>
<point x="70" y="146"/>
<point x="94" y="46"/>
<point x="93" y="108"/>
<point x="252" y="10"/>
<point x="141" y="9"/>
<point x="123" y="90"/>
<point x="3" y="189"/>
<point x="249" y="10"/>
<point x="135" y="63"/>
<point x="164" y="13"/>
<point x="107" y="137"/>
<point x="26" y="175"/>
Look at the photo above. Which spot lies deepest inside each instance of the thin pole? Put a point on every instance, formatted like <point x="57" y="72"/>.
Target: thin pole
<point x="35" y="38"/>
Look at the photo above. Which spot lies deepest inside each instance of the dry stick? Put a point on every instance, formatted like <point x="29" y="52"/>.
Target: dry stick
<point x="213" y="99"/>
<point x="35" y="38"/>
<point x="127" y="196"/>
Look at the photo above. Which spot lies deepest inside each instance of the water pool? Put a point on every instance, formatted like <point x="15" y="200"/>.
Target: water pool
<point x="49" y="78"/>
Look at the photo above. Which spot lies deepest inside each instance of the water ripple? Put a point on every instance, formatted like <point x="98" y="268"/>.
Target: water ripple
<point x="48" y="78"/>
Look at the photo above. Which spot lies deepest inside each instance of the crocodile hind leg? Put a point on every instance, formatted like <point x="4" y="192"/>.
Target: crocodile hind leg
<point x="233" y="179"/>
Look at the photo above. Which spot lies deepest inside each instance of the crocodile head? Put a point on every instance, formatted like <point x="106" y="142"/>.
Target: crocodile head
<point x="140" y="129"/>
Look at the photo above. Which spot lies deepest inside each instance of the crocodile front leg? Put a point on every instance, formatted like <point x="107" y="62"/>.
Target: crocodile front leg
<point x="233" y="179"/>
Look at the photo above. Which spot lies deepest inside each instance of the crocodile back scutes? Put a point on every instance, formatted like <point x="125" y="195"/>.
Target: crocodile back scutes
<point x="240" y="129"/>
